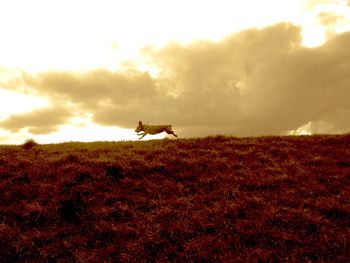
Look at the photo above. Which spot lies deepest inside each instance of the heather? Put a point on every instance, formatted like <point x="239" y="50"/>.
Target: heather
<point x="213" y="199"/>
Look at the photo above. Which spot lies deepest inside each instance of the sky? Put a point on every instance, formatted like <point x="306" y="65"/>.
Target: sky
<point x="89" y="70"/>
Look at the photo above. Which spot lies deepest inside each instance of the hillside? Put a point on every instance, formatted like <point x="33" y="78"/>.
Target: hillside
<point x="214" y="199"/>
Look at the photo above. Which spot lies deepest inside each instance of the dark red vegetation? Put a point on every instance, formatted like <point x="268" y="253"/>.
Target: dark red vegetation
<point x="215" y="199"/>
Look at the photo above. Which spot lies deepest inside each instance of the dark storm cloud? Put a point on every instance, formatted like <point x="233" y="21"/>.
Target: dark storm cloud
<point x="250" y="83"/>
<point x="223" y="84"/>
<point x="39" y="121"/>
<point x="262" y="81"/>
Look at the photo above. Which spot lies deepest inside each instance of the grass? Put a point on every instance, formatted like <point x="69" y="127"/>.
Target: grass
<point x="214" y="199"/>
<point x="29" y="143"/>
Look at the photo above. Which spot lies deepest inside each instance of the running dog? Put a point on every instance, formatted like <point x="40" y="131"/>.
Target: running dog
<point x="153" y="129"/>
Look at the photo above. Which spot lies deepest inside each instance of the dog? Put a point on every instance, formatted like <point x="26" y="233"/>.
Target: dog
<point x="153" y="129"/>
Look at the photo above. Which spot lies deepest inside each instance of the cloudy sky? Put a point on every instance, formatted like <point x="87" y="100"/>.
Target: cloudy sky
<point x="90" y="70"/>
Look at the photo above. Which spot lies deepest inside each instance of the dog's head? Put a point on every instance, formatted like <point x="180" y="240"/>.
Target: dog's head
<point x="139" y="128"/>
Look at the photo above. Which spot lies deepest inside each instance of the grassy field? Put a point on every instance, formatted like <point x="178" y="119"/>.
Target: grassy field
<point x="214" y="199"/>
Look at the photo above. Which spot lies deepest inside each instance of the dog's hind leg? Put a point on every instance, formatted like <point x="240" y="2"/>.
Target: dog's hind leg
<point x="171" y="132"/>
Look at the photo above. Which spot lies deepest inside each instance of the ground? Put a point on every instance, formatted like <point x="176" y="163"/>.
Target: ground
<point x="214" y="199"/>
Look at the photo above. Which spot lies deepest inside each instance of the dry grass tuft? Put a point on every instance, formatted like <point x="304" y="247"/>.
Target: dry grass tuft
<point x="29" y="143"/>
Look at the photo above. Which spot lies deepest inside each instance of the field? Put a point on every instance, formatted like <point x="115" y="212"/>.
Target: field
<point x="213" y="199"/>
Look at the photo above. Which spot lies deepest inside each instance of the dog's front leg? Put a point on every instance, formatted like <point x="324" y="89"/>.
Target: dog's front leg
<point x="142" y="135"/>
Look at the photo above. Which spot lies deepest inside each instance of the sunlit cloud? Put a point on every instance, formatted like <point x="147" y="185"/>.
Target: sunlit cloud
<point x="37" y="121"/>
<point x="324" y="19"/>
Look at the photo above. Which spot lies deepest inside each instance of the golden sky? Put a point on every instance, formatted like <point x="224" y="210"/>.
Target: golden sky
<point x="90" y="70"/>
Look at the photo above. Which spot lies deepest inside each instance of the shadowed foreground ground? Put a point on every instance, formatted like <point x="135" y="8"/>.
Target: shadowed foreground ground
<point x="216" y="199"/>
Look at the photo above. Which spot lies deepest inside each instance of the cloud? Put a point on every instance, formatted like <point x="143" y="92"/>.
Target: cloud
<point x="259" y="81"/>
<point x="278" y="85"/>
<point x="40" y="121"/>
<point x="312" y="3"/>
<point x="328" y="19"/>
<point x="115" y="98"/>
<point x="10" y="78"/>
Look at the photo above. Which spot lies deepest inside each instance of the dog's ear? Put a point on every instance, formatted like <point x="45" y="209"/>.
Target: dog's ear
<point x="140" y="123"/>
